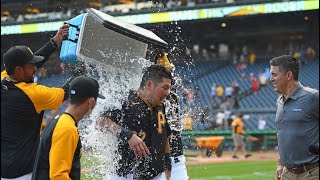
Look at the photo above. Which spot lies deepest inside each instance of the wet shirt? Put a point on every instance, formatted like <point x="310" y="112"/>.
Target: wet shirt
<point x="22" y="106"/>
<point x="59" y="152"/>
<point x="297" y="123"/>
<point x="151" y="126"/>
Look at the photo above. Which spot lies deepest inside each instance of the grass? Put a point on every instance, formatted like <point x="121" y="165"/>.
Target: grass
<point x="244" y="170"/>
<point x="87" y="163"/>
<point x="252" y="170"/>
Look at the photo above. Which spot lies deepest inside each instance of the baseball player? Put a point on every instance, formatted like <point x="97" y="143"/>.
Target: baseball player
<point x="144" y="115"/>
<point x="59" y="151"/>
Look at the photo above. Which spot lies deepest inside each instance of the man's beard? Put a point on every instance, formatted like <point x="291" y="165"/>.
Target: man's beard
<point x="31" y="80"/>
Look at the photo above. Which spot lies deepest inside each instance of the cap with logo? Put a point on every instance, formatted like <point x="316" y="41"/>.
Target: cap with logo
<point x="84" y="87"/>
<point x="20" y="55"/>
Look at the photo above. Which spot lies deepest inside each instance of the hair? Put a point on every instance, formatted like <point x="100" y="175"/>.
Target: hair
<point x="287" y="63"/>
<point x="10" y="69"/>
<point x="79" y="100"/>
<point x="155" y="73"/>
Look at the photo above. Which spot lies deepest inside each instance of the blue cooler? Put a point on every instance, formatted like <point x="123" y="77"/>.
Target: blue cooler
<point x="69" y="46"/>
<point x="100" y="38"/>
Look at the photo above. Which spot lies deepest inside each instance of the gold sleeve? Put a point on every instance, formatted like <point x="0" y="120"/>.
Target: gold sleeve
<point x="4" y="74"/>
<point x="43" y="97"/>
<point x="63" y="145"/>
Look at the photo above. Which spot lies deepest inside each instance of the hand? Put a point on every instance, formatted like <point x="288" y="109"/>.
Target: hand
<point x="80" y="69"/>
<point x="106" y="125"/>
<point x="103" y="124"/>
<point x="138" y="146"/>
<point x="63" y="32"/>
<point x="100" y="124"/>
<point x="279" y="171"/>
<point x="168" y="174"/>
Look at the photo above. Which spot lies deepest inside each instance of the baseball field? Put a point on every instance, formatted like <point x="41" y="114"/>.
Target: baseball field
<point x="200" y="167"/>
<point x="250" y="170"/>
<point x="260" y="166"/>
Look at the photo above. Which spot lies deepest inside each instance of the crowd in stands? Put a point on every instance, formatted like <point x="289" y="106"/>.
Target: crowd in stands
<point x="305" y="53"/>
<point x="53" y="67"/>
<point x="225" y="99"/>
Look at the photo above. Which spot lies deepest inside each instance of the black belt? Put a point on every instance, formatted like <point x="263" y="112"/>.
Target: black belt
<point x="175" y="156"/>
<point x="176" y="160"/>
<point x="302" y="169"/>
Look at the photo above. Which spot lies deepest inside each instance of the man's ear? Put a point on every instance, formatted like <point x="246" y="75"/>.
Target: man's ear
<point x="289" y="75"/>
<point x="149" y="84"/>
<point x="18" y="69"/>
<point x="92" y="100"/>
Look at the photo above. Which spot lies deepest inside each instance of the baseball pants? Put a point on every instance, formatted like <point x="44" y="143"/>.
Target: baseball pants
<point x="179" y="169"/>
<point x="161" y="176"/>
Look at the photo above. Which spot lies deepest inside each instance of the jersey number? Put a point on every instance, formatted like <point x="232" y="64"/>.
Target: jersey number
<point x="161" y="122"/>
<point x="141" y="134"/>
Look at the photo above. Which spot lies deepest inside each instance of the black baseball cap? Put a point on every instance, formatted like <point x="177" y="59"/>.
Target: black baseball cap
<point x="20" y="55"/>
<point x="84" y="87"/>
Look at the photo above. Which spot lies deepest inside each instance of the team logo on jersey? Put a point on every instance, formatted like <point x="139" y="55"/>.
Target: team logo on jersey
<point x="296" y="109"/>
<point x="161" y="121"/>
<point x="141" y="134"/>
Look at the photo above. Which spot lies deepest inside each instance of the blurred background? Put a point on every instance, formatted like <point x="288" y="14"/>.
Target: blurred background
<point x="220" y="48"/>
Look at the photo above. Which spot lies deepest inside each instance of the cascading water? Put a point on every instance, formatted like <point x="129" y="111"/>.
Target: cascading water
<point x="115" y="82"/>
<point x="117" y="72"/>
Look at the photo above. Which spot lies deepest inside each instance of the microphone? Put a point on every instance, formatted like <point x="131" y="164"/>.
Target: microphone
<point x="314" y="149"/>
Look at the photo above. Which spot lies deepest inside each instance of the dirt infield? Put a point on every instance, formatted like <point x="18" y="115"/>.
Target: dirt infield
<point x="203" y="159"/>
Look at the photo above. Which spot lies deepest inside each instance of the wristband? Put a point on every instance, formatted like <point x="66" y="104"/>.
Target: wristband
<point x="54" y="45"/>
<point x="167" y="162"/>
<point x="125" y="134"/>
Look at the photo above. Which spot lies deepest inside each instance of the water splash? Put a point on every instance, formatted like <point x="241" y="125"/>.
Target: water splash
<point x="115" y="82"/>
<point x="116" y="78"/>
